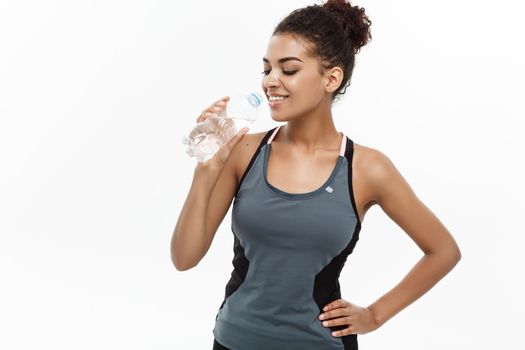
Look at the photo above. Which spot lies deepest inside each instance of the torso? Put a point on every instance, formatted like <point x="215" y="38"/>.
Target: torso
<point x="295" y="173"/>
<point x="293" y="232"/>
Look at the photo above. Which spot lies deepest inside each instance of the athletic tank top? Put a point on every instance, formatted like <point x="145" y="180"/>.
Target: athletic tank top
<point x="289" y="249"/>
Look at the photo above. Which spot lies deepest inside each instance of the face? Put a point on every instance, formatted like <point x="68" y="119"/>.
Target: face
<point x="290" y="71"/>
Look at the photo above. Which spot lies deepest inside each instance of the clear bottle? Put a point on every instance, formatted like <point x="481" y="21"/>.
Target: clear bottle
<point x="205" y="139"/>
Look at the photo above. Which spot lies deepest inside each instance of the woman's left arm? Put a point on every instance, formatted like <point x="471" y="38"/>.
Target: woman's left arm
<point x="397" y="199"/>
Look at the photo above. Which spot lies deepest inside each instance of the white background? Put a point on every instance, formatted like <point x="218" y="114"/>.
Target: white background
<point x="95" y="97"/>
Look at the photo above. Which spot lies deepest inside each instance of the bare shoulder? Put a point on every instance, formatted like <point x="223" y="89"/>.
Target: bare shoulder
<point x="371" y="160"/>
<point x="245" y="150"/>
<point x="377" y="172"/>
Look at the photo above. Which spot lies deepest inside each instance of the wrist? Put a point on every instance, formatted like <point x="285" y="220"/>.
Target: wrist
<point x="378" y="320"/>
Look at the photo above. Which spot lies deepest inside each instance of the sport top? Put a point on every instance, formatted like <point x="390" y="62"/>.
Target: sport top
<point x="289" y="249"/>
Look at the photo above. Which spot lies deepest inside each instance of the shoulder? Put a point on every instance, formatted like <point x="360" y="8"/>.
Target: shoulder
<point x="245" y="150"/>
<point x="372" y="160"/>
<point x="377" y="170"/>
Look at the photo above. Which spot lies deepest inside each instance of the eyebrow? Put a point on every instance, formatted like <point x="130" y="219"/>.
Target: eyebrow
<point x="284" y="59"/>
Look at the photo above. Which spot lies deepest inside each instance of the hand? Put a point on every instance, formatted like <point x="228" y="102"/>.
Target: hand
<point x="214" y="109"/>
<point x="359" y="320"/>
<point x="217" y="162"/>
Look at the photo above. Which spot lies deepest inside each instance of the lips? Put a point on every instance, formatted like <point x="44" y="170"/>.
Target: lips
<point x="274" y="103"/>
<point x="277" y="102"/>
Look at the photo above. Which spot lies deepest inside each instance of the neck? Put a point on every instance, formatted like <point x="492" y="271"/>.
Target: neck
<point x="310" y="133"/>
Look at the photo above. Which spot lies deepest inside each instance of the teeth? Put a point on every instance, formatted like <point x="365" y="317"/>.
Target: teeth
<point x="276" y="98"/>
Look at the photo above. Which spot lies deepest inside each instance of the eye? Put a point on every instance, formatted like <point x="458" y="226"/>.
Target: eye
<point x="266" y="72"/>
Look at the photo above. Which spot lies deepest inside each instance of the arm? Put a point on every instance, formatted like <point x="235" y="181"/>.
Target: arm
<point x="441" y="253"/>
<point x="207" y="203"/>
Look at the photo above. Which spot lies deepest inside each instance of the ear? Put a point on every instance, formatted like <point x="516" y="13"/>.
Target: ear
<point x="334" y="77"/>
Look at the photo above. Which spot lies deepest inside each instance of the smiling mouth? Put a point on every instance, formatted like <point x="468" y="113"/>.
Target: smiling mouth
<point x="274" y="102"/>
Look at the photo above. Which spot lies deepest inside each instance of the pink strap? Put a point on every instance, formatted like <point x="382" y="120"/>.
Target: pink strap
<point x="273" y="135"/>
<point x="343" y="141"/>
<point x="343" y="145"/>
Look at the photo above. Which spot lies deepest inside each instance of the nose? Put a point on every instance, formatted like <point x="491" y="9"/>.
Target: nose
<point x="271" y="80"/>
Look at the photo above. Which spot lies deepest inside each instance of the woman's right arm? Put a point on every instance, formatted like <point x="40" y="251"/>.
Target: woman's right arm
<point x="206" y="205"/>
<point x="211" y="193"/>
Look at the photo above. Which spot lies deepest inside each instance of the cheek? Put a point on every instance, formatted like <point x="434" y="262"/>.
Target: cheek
<point x="307" y="91"/>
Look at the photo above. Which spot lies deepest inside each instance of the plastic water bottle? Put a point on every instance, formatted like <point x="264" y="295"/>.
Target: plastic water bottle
<point x="205" y="139"/>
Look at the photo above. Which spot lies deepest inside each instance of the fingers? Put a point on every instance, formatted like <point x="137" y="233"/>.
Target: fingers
<point x="205" y="115"/>
<point x="225" y="151"/>
<point x="213" y="109"/>
<point x="235" y="140"/>
<point x="346" y="331"/>
<point x="238" y="137"/>
<point x="331" y="314"/>
<point x="341" y="321"/>
<point x="336" y="303"/>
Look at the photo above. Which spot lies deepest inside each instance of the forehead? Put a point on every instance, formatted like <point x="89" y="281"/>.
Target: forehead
<point x="286" y="45"/>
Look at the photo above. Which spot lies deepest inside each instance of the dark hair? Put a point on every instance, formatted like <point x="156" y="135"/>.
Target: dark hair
<point x="337" y="31"/>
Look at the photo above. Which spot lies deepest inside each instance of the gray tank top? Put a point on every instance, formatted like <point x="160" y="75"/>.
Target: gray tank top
<point x="289" y="249"/>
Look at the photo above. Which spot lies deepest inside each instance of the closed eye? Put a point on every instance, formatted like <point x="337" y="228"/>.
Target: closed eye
<point x="266" y="72"/>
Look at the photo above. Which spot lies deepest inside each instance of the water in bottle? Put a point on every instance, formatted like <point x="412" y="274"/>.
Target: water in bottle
<point x="205" y="139"/>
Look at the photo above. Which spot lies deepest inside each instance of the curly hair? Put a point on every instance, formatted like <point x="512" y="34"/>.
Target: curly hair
<point x="337" y="31"/>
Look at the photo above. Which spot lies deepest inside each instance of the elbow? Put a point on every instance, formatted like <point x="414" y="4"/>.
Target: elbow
<point x="182" y="268"/>
<point x="450" y="254"/>
<point x="455" y="258"/>
<point x="180" y="265"/>
<point x="455" y="252"/>
<point x="458" y="254"/>
<point x="180" y="261"/>
<point x="453" y="255"/>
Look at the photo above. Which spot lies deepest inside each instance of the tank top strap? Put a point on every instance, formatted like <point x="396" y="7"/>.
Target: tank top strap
<point x="347" y="150"/>
<point x="342" y="150"/>
<point x="263" y="142"/>
<point x="273" y="133"/>
<point x="344" y="141"/>
<point x="349" y="155"/>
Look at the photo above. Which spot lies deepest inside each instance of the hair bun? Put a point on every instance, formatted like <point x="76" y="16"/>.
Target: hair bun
<point x="354" y="21"/>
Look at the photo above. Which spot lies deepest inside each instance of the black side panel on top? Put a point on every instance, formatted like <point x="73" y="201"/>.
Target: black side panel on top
<point x="349" y="154"/>
<point x="240" y="269"/>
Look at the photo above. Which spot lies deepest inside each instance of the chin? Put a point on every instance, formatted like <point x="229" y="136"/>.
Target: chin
<point x="279" y="118"/>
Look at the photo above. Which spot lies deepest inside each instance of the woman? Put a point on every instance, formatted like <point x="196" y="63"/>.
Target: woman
<point x="301" y="193"/>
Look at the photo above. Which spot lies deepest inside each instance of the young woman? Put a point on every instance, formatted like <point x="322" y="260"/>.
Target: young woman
<point x="301" y="191"/>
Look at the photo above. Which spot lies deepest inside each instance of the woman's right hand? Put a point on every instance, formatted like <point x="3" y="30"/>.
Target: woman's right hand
<point x="216" y="163"/>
